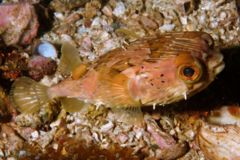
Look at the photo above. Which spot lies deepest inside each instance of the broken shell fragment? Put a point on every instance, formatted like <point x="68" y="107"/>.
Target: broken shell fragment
<point x="170" y="148"/>
<point x="226" y="115"/>
<point x="218" y="142"/>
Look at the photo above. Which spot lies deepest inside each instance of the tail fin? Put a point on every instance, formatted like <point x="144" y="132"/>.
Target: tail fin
<point x="28" y="95"/>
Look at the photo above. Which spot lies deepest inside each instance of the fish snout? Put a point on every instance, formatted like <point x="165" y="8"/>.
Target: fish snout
<point x="216" y="63"/>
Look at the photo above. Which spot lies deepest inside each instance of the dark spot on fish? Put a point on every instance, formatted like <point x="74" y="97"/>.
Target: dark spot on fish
<point x="162" y="75"/>
<point x="142" y="67"/>
<point x="151" y="84"/>
<point x="163" y="81"/>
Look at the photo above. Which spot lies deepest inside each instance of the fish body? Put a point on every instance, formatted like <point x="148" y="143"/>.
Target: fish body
<point x="155" y="70"/>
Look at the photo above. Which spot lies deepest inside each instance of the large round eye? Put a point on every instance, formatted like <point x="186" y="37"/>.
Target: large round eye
<point x="190" y="73"/>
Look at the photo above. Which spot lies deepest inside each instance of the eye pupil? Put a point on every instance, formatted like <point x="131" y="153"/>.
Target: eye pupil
<point x="188" y="71"/>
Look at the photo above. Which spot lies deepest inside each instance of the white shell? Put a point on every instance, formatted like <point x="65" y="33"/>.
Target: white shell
<point x="46" y="49"/>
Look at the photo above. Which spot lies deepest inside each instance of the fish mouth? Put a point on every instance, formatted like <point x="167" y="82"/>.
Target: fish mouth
<point x="216" y="63"/>
<point x="219" y="68"/>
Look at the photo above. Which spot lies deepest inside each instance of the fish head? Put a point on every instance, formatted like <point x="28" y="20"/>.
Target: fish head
<point x="199" y="67"/>
<point x="187" y="65"/>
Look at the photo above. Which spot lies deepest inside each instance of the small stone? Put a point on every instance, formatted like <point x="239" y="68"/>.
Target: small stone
<point x="223" y="15"/>
<point x="55" y="146"/>
<point x="167" y="27"/>
<point x="122" y="138"/>
<point x="139" y="133"/>
<point x="148" y="23"/>
<point x="172" y="132"/>
<point x="119" y="10"/>
<point x="35" y="135"/>
<point x="59" y="15"/>
<point x="55" y="123"/>
<point x="1" y="153"/>
<point x="190" y="134"/>
<point x="22" y="153"/>
<point x="190" y="27"/>
<point x="183" y="20"/>
<point x="108" y="126"/>
<point x="95" y="136"/>
<point x="107" y="10"/>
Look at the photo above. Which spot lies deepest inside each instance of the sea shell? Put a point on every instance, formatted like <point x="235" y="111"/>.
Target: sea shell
<point x="46" y="49"/>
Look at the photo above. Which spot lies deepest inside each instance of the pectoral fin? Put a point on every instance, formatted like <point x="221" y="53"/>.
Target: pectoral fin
<point x="69" y="60"/>
<point x="72" y="105"/>
<point x="130" y="115"/>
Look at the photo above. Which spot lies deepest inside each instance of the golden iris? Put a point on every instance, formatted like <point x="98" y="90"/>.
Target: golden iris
<point x="190" y="73"/>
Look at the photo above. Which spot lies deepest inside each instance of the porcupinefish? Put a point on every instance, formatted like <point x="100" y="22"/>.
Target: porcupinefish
<point x="155" y="70"/>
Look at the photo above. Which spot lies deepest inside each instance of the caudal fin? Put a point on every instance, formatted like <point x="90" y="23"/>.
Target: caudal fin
<point x="28" y="95"/>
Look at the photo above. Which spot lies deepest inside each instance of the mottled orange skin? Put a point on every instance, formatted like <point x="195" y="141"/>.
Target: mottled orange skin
<point x="145" y="72"/>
